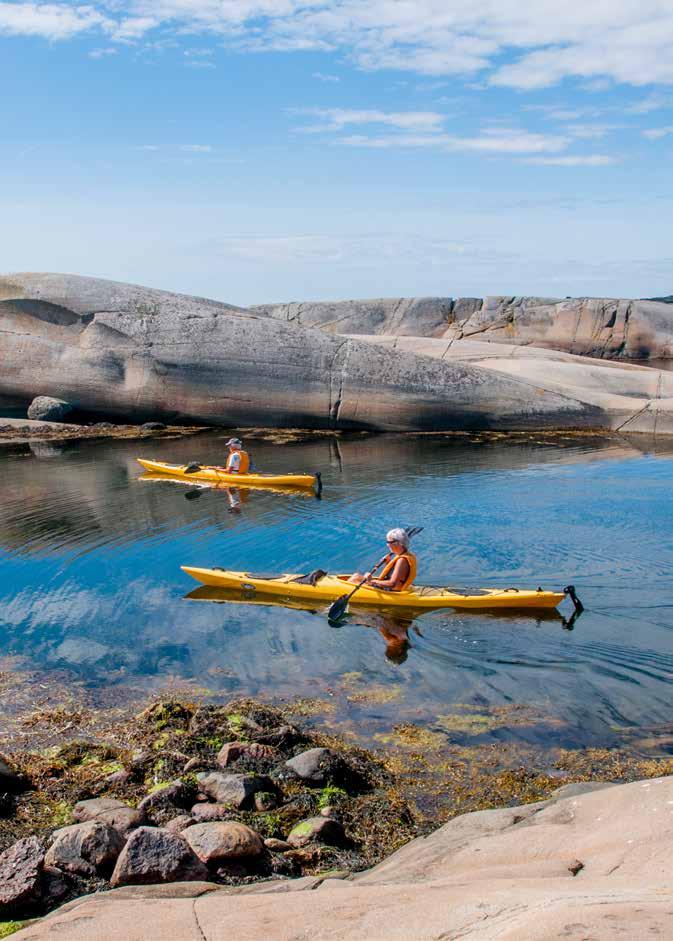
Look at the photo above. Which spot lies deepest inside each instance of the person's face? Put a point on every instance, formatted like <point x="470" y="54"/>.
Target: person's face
<point x="395" y="547"/>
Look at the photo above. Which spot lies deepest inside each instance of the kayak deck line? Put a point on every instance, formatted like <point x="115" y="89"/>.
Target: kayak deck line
<point x="215" y="475"/>
<point x="331" y="587"/>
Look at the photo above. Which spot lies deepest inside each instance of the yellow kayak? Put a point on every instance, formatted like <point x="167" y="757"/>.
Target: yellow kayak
<point x="330" y="587"/>
<point x="214" y="475"/>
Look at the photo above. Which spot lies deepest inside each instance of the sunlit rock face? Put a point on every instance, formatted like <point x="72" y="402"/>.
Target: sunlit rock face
<point x="122" y="350"/>
<point x="598" y="327"/>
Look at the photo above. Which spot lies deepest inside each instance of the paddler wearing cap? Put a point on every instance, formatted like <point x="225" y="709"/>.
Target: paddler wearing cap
<point x="238" y="461"/>
<point x="400" y="566"/>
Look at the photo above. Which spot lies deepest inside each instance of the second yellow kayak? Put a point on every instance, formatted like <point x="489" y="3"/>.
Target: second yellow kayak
<point x="214" y="475"/>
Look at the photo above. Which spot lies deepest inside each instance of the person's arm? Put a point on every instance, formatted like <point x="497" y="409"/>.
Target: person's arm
<point x="397" y="577"/>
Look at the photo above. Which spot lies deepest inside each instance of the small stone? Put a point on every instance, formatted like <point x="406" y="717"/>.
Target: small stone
<point x="118" y="778"/>
<point x="20" y="874"/>
<point x="108" y="810"/>
<point x="46" y="408"/>
<point x="179" y="823"/>
<point x="204" y="813"/>
<point x="277" y="846"/>
<point x="192" y="764"/>
<point x="103" y="425"/>
<point x="329" y="812"/>
<point x="316" y="766"/>
<point x="282" y="737"/>
<point x="575" y="867"/>
<point x="153" y="426"/>
<point x="233" y="751"/>
<point x="140" y="759"/>
<point x="215" y="843"/>
<point x="164" y="800"/>
<point x="84" y="848"/>
<point x="235" y="790"/>
<point x="317" y="830"/>
<point x="265" y="800"/>
<point x="153" y="856"/>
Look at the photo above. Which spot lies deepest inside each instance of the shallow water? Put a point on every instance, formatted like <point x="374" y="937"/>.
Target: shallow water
<point x="91" y="589"/>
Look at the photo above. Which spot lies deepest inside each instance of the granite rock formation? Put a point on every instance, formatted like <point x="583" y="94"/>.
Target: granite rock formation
<point x="599" y="327"/>
<point x="115" y="349"/>
<point x="589" y="863"/>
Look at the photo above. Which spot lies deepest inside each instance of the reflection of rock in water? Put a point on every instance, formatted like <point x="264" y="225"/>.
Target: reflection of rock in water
<point x="46" y="449"/>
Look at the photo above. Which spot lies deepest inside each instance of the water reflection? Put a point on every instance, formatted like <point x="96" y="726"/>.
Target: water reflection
<point x="90" y="579"/>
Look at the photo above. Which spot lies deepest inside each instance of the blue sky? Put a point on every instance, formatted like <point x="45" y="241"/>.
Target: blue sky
<point x="276" y="150"/>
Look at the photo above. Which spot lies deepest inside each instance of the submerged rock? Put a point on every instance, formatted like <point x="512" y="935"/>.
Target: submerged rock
<point x="153" y="855"/>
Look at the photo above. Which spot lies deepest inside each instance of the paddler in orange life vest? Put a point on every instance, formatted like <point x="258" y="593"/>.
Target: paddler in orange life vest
<point x="238" y="461"/>
<point x="399" y="570"/>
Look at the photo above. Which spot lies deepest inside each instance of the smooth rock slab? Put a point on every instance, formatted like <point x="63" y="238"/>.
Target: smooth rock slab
<point x="317" y="830"/>
<point x="153" y="855"/>
<point x="234" y="790"/>
<point x="84" y="848"/>
<point x="20" y="874"/>
<point x="108" y="810"/>
<point x="214" y="843"/>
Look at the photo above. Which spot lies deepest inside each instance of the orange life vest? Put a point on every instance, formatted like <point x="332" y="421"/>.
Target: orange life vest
<point x="245" y="461"/>
<point x="390" y="565"/>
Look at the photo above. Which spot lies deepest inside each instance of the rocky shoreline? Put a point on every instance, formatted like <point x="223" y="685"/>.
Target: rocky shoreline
<point x="232" y="795"/>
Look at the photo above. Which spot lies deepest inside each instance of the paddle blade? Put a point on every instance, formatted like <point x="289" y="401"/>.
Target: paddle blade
<point x="193" y="494"/>
<point x="338" y="608"/>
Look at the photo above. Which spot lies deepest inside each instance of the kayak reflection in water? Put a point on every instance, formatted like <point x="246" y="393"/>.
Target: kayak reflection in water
<point x="399" y="566"/>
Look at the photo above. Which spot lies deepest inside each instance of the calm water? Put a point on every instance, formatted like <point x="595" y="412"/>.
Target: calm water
<point x="90" y="584"/>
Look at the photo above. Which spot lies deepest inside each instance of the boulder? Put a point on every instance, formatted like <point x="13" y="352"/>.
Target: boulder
<point x="164" y="801"/>
<point x="154" y="856"/>
<point x="317" y="767"/>
<point x="84" y="849"/>
<point x="215" y="843"/>
<point x="234" y="751"/>
<point x="108" y="810"/>
<point x="317" y="830"/>
<point x="20" y="875"/>
<point x="121" y="350"/>
<point x="234" y="790"/>
<point x="46" y="408"/>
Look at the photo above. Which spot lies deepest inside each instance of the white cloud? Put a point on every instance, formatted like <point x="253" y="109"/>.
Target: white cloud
<point x="102" y="53"/>
<point x="656" y="133"/>
<point x="653" y="102"/>
<point x="196" y="149"/>
<point x="336" y="119"/>
<point x="50" y="20"/>
<point x="489" y="141"/>
<point x="525" y="45"/>
<point x="590" y="160"/>
<point x="324" y="77"/>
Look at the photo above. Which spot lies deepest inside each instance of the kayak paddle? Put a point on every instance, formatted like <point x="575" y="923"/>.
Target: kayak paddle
<point x="338" y="608"/>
